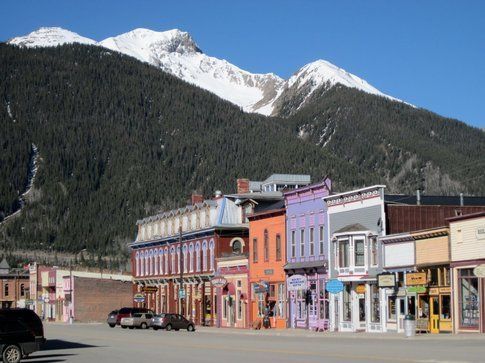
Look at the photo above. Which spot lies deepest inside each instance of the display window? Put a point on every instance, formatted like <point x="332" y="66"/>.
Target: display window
<point x="468" y="299"/>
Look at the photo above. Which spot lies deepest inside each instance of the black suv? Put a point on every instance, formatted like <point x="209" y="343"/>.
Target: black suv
<point x="21" y="333"/>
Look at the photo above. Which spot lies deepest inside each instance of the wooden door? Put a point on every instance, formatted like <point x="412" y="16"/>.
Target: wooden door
<point x="434" y="317"/>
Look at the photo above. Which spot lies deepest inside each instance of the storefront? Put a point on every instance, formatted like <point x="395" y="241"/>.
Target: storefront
<point x="467" y="244"/>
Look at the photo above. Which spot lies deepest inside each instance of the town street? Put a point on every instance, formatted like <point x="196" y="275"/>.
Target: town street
<point x="99" y="343"/>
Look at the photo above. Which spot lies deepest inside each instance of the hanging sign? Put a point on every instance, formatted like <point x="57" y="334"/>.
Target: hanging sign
<point x="479" y="271"/>
<point x="219" y="282"/>
<point x="334" y="286"/>
<point x="139" y="298"/>
<point x="416" y="278"/>
<point x="296" y="282"/>
<point x="360" y="289"/>
<point x="386" y="280"/>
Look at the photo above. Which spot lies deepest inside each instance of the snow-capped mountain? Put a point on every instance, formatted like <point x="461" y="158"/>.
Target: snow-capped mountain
<point x="175" y="52"/>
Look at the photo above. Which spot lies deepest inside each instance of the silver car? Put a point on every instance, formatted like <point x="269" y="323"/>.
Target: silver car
<point x="139" y="320"/>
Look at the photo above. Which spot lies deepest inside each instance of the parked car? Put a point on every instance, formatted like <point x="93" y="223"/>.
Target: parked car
<point x="125" y="313"/>
<point x="157" y="321"/>
<point x="21" y="333"/>
<point x="112" y="318"/>
<point x="138" y="320"/>
<point x="173" y="321"/>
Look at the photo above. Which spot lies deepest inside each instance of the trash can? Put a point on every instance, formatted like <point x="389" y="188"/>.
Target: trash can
<point x="409" y="326"/>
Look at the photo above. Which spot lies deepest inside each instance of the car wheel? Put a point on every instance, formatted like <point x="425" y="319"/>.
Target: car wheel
<point x="12" y="354"/>
<point x="124" y="326"/>
<point x="190" y="328"/>
<point x="168" y="327"/>
<point x="112" y="325"/>
<point x="143" y="326"/>
<point x="155" y="328"/>
<point x="131" y="327"/>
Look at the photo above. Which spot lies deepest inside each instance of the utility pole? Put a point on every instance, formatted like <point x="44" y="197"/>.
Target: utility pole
<point x="181" y="288"/>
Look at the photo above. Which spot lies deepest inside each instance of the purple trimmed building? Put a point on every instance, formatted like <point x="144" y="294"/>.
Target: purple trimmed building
<point x="307" y="255"/>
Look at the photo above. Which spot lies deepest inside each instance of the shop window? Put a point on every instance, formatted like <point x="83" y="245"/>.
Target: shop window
<point x="239" y="305"/>
<point x="321" y="239"/>
<point x="300" y="304"/>
<point x="359" y="252"/>
<point x="266" y="246"/>
<point x="445" y="312"/>
<point x="423" y="306"/>
<point x="22" y="290"/>
<point x="302" y="242"/>
<point x="280" y="308"/>
<point x="347" y="303"/>
<point x="255" y="250"/>
<point x="375" y="311"/>
<point x="433" y="277"/>
<point x="312" y="241"/>
<point x="468" y="305"/>
<point x="293" y="244"/>
<point x="278" y="247"/>
<point x="272" y="291"/>
<point x="391" y="308"/>
<point x="344" y="253"/>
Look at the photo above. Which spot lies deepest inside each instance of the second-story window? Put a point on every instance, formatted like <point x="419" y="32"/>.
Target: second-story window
<point x="359" y="252"/>
<point x="266" y="245"/>
<point x="302" y="242"/>
<point x="321" y="240"/>
<point x="293" y="244"/>
<point x="278" y="247"/>
<point x="343" y="251"/>
<point x="312" y="241"/>
<point x="255" y="250"/>
<point x="5" y="290"/>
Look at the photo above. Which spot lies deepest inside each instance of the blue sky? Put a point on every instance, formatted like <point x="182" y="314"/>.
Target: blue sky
<point x="428" y="53"/>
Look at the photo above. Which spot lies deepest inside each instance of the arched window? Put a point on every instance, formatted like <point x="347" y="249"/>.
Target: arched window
<point x="165" y="271"/>
<point x="5" y="290"/>
<point x="178" y="266"/>
<point x="185" y="259"/>
<point x="137" y="264"/>
<point x="22" y="290"/>
<point x="142" y="263"/>
<point x="211" y="248"/>
<point x="149" y="232"/>
<point x="172" y="252"/>
<point x="150" y="263"/>
<point x="155" y="262"/>
<point x="160" y="260"/>
<point x="266" y="245"/>
<point x="191" y="257"/>
<point x="197" y="219"/>
<point x="207" y="217"/>
<point x="204" y="256"/>
<point x="197" y="256"/>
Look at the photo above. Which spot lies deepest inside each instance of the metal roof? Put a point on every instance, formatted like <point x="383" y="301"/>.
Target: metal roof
<point x="288" y="178"/>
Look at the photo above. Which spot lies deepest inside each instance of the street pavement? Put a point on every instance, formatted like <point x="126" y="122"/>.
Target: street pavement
<point x="99" y="343"/>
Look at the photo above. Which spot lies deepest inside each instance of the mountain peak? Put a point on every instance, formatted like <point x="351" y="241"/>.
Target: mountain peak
<point x="50" y="37"/>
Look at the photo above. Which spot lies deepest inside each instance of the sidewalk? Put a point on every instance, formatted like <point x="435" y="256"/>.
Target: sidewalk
<point x="338" y="335"/>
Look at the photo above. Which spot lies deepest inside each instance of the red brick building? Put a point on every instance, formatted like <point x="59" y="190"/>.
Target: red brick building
<point x="14" y="286"/>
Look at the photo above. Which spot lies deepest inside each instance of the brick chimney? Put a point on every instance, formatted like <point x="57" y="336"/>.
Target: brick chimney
<point x="196" y="198"/>
<point x="242" y="186"/>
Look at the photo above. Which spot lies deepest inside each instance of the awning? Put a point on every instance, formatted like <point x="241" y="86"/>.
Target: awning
<point x="306" y="265"/>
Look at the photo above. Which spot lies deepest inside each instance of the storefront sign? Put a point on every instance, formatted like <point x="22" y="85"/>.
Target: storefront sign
<point x="149" y="289"/>
<point x="434" y="291"/>
<point x="334" y="286"/>
<point x="219" y="282"/>
<point x="360" y="289"/>
<point x="296" y="282"/>
<point x="139" y="298"/>
<point x="386" y="280"/>
<point x="416" y="278"/>
<point x="417" y="289"/>
<point x="268" y="272"/>
<point x="479" y="271"/>
<point x="445" y="290"/>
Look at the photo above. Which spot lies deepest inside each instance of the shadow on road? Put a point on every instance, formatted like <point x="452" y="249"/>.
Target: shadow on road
<point x="57" y="344"/>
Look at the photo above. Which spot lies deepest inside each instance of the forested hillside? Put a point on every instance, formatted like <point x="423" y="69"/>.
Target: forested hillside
<point x="119" y="139"/>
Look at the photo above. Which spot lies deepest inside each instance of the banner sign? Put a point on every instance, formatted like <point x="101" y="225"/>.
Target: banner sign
<point x="386" y="280"/>
<point x="296" y="282"/>
<point x="334" y="286"/>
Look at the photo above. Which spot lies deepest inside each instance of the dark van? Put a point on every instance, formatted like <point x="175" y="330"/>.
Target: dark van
<point x="21" y="333"/>
<point x="127" y="313"/>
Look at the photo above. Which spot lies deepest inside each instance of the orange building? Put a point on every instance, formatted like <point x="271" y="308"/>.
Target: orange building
<point x="267" y="256"/>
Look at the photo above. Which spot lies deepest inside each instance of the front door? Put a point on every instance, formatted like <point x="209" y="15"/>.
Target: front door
<point x="434" y="317"/>
<point x="401" y="312"/>
<point x="361" y="311"/>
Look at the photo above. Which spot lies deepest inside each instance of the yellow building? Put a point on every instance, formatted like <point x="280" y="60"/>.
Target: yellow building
<point x="467" y="247"/>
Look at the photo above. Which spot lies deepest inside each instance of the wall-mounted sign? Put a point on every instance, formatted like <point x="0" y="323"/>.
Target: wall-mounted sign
<point x="479" y="271"/>
<point x="386" y="280"/>
<point x="416" y="278"/>
<point x="149" y="289"/>
<point x="139" y="298"/>
<point x="219" y="282"/>
<point x="445" y="290"/>
<point x="296" y="282"/>
<point x="334" y="286"/>
<point x="434" y="291"/>
<point x="417" y="289"/>
<point x="480" y="233"/>
<point x="360" y="289"/>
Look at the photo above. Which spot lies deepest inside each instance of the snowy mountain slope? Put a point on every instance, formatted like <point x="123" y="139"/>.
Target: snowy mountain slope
<point x="50" y="37"/>
<point x="175" y="52"/>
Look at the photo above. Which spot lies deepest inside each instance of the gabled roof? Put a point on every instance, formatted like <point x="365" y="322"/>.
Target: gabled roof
<point x="4" y="264"/>
<point x="356" y="227"/>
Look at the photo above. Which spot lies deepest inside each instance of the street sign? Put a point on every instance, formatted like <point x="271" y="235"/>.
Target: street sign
<point x="334" y="286"/>
<point x="182" y="294"/>
<point x="296" y="283"/>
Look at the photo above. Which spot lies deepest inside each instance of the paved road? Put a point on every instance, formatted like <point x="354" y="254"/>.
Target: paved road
<point x="99" y="343"/>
